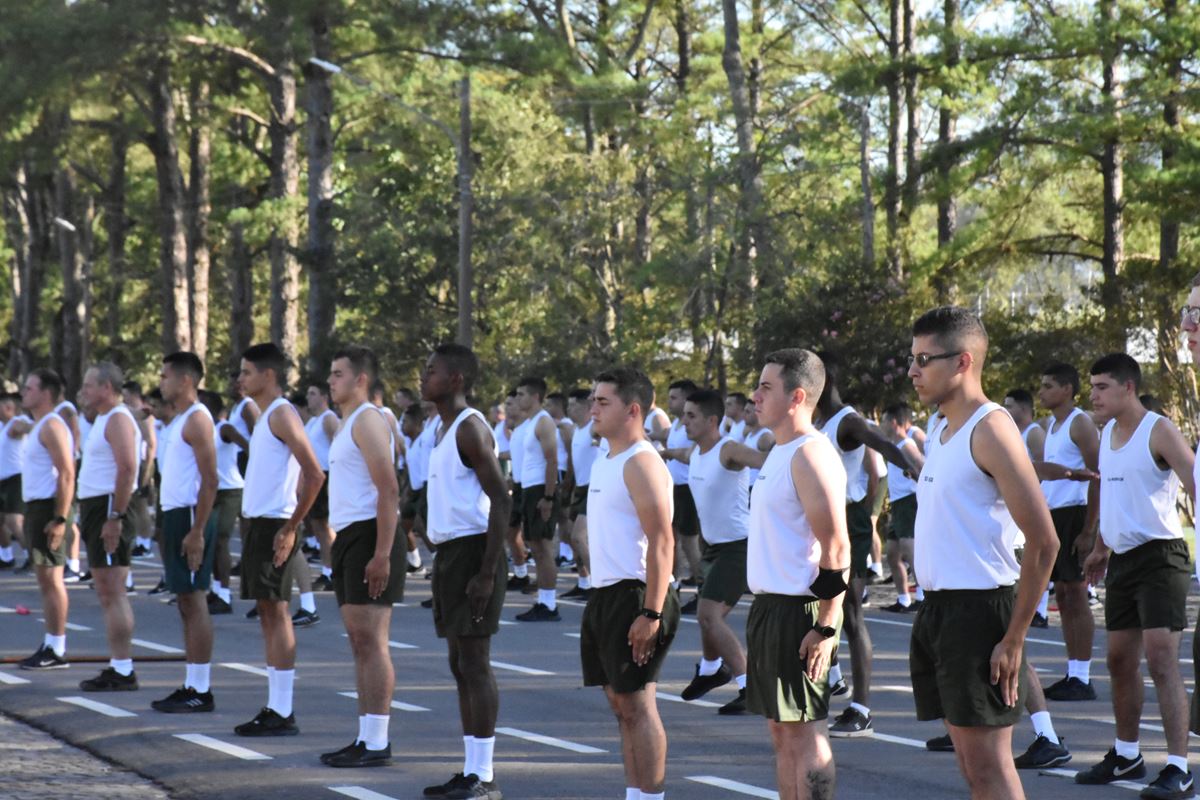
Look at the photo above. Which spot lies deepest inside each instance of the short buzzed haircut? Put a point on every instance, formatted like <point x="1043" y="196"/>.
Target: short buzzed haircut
<point x="580" y="394"/>
<point x="415" y="411"/>
<point x="49" y="381"/>
<point x="362" y="360"/>
<point x="901" y="412"/>
<point x="632" y="386"/>
<point x="460" y="360"/>
<point x="800" y="369"/>
<point x="688" y="386"/>
<point x="212" y="401"/>
<point x="1063" y="374"/>
<point x="709" y="402"/>
<point x="110" y="373"/>
<point x="1021" y="397"/>
<point x="133" y="387"/>
<point x="538" y="385"/>
<point x="1121" y="366"/>
<point x="378" y="388"/>
<point x="558" y="398"/>
<point x="267" y="355"/>
<point x="738" y="398"/>
<point x="320" y="386"/>
<point x="1152" y="403"/>
<point x="186" y="363"/>
<point x="951" y="326"/>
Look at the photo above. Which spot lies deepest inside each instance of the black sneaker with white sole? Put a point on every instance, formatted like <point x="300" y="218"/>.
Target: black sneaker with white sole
<point x="940" y="744"/>
<point x="1171" y="784"/>
<point x="161" y="588"/>
<point x="45" y="658"/>
<point x="303" y="619"/>
<point x="1112" y="768"/>
<point x="357" y="755"/>
<point x="690" y="608"/>
<point x="109" y="680"/>
<point x="269" y="723"/>
<point x="185" y="700"/>
<point x="442" y="789"/>
<point x="703" y="684"/>
<point x="472" y="788"/>
<point x="322" y="583"/>
<point x="839" y="688"/>
<point x="336" y="753"/>
<point x="540" y="613"/>
<point x="1070" y="690"/>
<point x="850" y="724"/>
<point x="735" y="706"/>
<point x="1043" y="754"/>
<point x="576" y="593"/>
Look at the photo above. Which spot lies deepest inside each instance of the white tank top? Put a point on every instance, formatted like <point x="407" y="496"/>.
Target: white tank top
<point x="352" y="494"/>
<point x="500" y="436"/>
<point x="69" y="406"/>
<point x="515" y="452"/>
<point x="562" y="444"/>
<point x="782" y="554"/>
<point x="533" y="460"/>
<point x="458" y="506"/>
<point x="12" y="451"/>
<point x="648" y="425"/>
<point x="180" y="473"/>
<point x="228" y="474"/>
<point x="418" y="456"/>
<point x="160" y="439"/>
<point x="236" y="419"/>
<point x="1061" y="449"/>
<point x="617" y="542"/>
<point x="583" y="453"/>
<point x="751" y="441"/>
<point x="852" y="460"/>
<point x="272" y="472"/>
<point x="964" y="533"/>
<point x="39" y="476"/>
<point x="98" y="471"/>
<point x="315" y="430"/>
<point x="1137" y="499"/>
<point x="737" y="431"/>
<point x="677" y="438"/>
<point x="85" y="429"/>
<point x="900" y="485"/>
<point x="722" y="495"/>
<point x="931" y="424"/>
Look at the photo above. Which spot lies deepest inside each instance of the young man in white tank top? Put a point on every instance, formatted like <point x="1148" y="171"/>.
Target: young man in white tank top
<point x="976" y="489"/>
<point x="139" y="504"/>
<point x="189" y="532"/>
<point x="47" y="489"/>
<point x="797" y="564"/>
<point x="468" y="514"/>
<point x="12" y="449"/>
<point x="107" y="479"/>
<point x="368" y="557"/>
<point x="539" y="496"/>
<point x="895" y="423"/>
<point x="1019" y="404"/>
<point x="320" y="429"/>
<point x="676" y="446"/>
<point x="1143" y="558"/>
<point x="582" y="451"/>
<point x="227" y="508"/>
<point x="242" y="416"/>
<point x="283" y="478"/>
<point x="718" y="480"/>
<point x="633" y="613"/>
<point x="757" y="437"/>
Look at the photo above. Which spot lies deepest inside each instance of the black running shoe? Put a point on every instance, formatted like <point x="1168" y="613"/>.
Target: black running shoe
<point x="326" y="756"/>
<point x="576" y="593"/>
<point x="1112" y="768"/>
<point x="1070" y="689"/>
<point x="940" y="744"/>
<point x="472" y="787"/>
<point x="70" y="575"/>
<point x="236" y="570"/>
<point x="899" y="608"/>
<point x="735" y="706"/>
<point x="185" y="700"/>
<point x="850" y="724"/>
<point x="427" y="603"/>
<point x="323" y="583"/>
<point x="45" y="658"/>
<point x="515" y="583"/>
<point x="139" y="551"/>
<point x="703" y="684"/>
<point x="1171" y="784"/>
<point x="268" y="723"/>
<point x="161" y="588"/>
<point x="253" y="612"/>
<point x="689" y="608"/>
<point x="1043" y="754"/>
<point x="539" y="613"/>
<point x="691" y="580"/>
<point x="7" y="564"/>
<point x="109" y="680"/>
<point x="1039" y="621"/>
<point x="304" y="619"/>
<point x="839" y="688"/>
<point x="414" y="567"/>
<point x="85" y="576"/>
<point x="216" y="605"/>
<point x="359" y="756"/>
<point x="441" y="789"/>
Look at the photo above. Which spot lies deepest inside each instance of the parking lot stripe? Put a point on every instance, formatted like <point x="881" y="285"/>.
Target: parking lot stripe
<point x="12" y="680"/>
<point x="162" y="648"/>
<point x="359" y="793"/>
<point x="550" y="741"/>
<point x="234" y="750"/>
<point x="396" y="704"/>
<point x="887" y="737"/>
<point x="735" y="786"/>
<point x="100" y="708"/>
<point x="240" y="667"/>
<point x="519" y="668"/>
<point x="674" y="698"/>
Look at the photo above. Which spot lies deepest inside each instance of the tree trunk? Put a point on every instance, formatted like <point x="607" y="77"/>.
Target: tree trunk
<point x="116" y="226"/>
<point x="199" y="208"/>
<point x="70" y="223"/>
<point x="285" y="182"/>
<point x="754" y="79"/>
<point x="27" y="218"/>
<point x="1168" y="223"/>
<point x="176" y="330"/>
<point x="466" y="203"/>
<point x="1112" y="166"/>
<point x="867" y="212"/>
<point x="912" y="107"/>
<point x="320" y="258"/>
<point x="892" y="179"/>
<point x="698" y="298"/>
<point x="947" y="211"/>
<point x="241" y="295"/>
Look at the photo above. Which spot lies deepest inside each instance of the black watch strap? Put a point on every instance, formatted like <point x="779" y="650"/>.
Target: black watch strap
<point x="651" y="614"/>
<point x="59" y="520"/>
<point x="827" y="631"/>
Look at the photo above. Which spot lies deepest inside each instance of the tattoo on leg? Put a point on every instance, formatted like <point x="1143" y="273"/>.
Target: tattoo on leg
<point x="820" y="785"/>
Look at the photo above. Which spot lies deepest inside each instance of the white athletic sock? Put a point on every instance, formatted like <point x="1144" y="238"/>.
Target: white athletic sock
<point x="56" y="643"/>
<point x="1178" y="761"/>
<point x="520" y="570"/>
<point x="280" y="682"/>
<point x="143" y="541"/>
<point x="6" y="553"/>
<point x="633" y="794"/>
<point x="468" y="754"/>
<point x="308" y="602"/>
<point x="656" y="796"/>
<point x="129" y="580"/>
<point x="1042" y="726"/>
<point x="1044" y="604"/>
<point x="327" y="572"/>
<point x="905" y="600"/>
<point x="73" y="564"/>
<point x="311" y="541"/>
<point x="741" y="680"/>
<point x="224" y="593"/>
<point x="860" y="708"/>
<point x="675" y="584"/>
<point x="123" y="666"/>
<point x="481" y="760"/>
<point x="1080" y="669"/>
<point x="548" y="598"/>
<point x="374" y="730"/>
<point x="709" y="667"/>
<point x="919" y="594"/>
<point x="198" y="677"/>
<point x="585" y="582"/>
<point x="1126" y="749"/>
<point x="414" y="559"/>
<point x="876" y="567"/>
<point x="835" y="674"/>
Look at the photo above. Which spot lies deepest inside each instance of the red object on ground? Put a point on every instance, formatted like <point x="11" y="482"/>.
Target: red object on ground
<point x="22" y="610"/>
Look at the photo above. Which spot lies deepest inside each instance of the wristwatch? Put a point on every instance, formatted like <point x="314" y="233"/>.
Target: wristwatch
<point x="651" y="614"/>
<point x="116" y="515"/>
<point x="826" y="631"/>
<point x="59" y="520"/>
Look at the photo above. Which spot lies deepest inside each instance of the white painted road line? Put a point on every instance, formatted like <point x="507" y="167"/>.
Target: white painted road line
<point x="574" y="635"/>
<point x="1070" y="773"/>
<point x="901" y="624"/>
<point x="893" y="688"/>
<point x="71" y="626"/>
<point x="7" y="610"/>
<point x="240" y="667"/>
<point x="549" y="741"/>
<point x="100" y="708"/>
<point x="396" y="704"/>
<point x="735" y="786"/>
<point x="12" y="680"/>
<point x="507" y="622"/>
<point x="359" y="793"/>
<point x="887" y="737"/>
<point x="674" y="698"/>
<point x="393" y="645"/>
<point x="223" y="747"/>
<point x="162" y="648"/>
<point x="519" y="668"/>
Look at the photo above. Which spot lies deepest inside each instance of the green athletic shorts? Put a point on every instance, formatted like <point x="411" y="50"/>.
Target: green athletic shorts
<point x="93" y="513"/>
<point x="38" y="514"/>
<point x="1068" y="524"/>
<point x="227" y="508"/>
<point x="459" y="560"/>
<point x="536" y="528"/>
<point x="515" y="515"/>
<point x="178" y="575"/>
<point x="904" y="518"/>
<point x="777" y="686"/>
<point x="1147" y="587"/>
<point x="724" y="569"/>
<point x="578" y="502"/>
<point x="261" y="579"/>
<point x="415" y="506"/>
<point x="950" y="656"/>
<point x="320" y="506"/>
<point x="686" y="520"/>
<point x="10" y="495"/>
<point x="858" y="523"/>
<point x="353" y="549"/>
<point x="604" y="647"/>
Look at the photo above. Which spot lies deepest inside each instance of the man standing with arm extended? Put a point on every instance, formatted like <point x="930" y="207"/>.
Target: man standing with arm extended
<point x="633" y="613"/>
<point x="321" y="428"/>
<point x="189" y="532"/>
<point x="539" y="495"/>
<point x="468" y="514"/>
<point x="976" y="489"/>
<point x="283" y="478"/>
<point x="228" y="506"/>
<point x="47" y="489"/>
<point x="368" y="558"/>
<point x="106" y="484"/>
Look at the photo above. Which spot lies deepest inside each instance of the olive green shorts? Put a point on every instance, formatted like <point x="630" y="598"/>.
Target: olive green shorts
<point x="904" y="518"/>
<point x="1147" y="587"/>
<point x="261" y="579"/>
<point x="353" y="549"/>
<point x="537" y="528"/>
<point x="777" y="685"/>
<point x="724" y="569"/>
<point x="578" y="506"/>
<point x="604" y="647"/>
<point x="93" y="513"/>
<point x="38" y="514"/>
<point x="858" y="524"/>
<point x="459" y="560"/>
<point x="226" y="509"/>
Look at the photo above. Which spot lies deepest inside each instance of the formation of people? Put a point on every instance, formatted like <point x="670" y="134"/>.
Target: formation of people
<point x="780" y="495"/>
